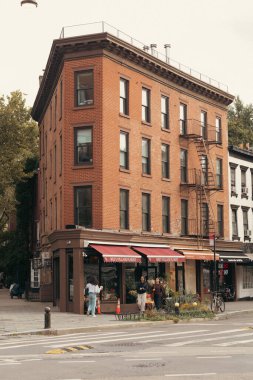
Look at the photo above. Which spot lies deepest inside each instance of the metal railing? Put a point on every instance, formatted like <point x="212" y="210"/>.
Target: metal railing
<point x="194" y="128"/>
<point x="102" y="27"/>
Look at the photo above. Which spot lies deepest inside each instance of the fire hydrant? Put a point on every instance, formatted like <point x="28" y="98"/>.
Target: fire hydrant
<point x="177" y="308"/>
<point x="47" y="324"/>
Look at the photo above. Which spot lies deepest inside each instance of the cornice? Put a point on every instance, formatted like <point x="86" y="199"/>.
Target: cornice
<point x="97" y="45"/>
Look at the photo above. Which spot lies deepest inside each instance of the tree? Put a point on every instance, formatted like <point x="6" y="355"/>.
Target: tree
<point x="240" y="123"/>
<point x="18" y="142"/>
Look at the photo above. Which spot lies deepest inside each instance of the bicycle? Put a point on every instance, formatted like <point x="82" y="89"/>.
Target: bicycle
<point x="217" y="303"/>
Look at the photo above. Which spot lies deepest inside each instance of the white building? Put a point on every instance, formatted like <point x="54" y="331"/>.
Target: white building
<point x="238" y="265"/>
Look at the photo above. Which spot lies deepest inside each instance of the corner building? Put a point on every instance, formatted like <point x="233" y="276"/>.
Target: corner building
<point x="133" y="172"/>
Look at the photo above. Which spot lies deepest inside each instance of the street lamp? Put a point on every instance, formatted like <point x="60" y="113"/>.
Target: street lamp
<point x="29" y="2"/>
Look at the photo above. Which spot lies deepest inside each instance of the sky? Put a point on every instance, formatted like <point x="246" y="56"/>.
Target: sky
<point x="214" y="37"/>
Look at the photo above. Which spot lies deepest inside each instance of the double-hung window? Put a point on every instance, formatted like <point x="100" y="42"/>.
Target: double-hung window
<point x="183" y="166"/>
<point x="84" y="88"/>
<point x="124" y="96"/>
<point x="233" y="180"/>
<point x="165" y="112"/>
<point x="166" y="214"/>
<point x="219" y="173"/>
<point x="244" y="189"/>
<point x="165" y="161"/>
<point x="184" y="217"/>
<point x="124" y="150"/>
<point x="218" y="129"/>
<point x="245" y="222"/>
<point x="220" y="220"/>
<point x="204" y="169"/>
<point x="205" y="219"/>
<point x="83" y="146"/>
<point x="124" y="209"/>
<point x="146" y="212"/>
<point x="234" y="222"/>
<point x="146" y="167"/>
<point x="203" y="120"/>
<point x="83" y="206"/>
<point x="146" y="105"/>
<point x="183" y="118"/>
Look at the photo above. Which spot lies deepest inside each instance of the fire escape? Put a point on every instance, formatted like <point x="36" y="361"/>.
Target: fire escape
<point x="201" y="179"/>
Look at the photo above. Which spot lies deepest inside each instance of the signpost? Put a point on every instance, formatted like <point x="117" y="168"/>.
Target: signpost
<point x="212" y="244"/>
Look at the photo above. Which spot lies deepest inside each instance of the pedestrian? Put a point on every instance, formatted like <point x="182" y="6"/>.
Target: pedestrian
<point x="158" y="293"/>
<point x="142" y="292"/>
<point x="92" y="289"/>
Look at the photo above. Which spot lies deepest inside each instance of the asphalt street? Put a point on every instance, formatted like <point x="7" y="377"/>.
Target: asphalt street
<point x="205" y="350"/>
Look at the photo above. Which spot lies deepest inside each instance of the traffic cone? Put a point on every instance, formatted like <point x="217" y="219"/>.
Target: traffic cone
<point x="118" y="307"/>
<point x="98" y="307"/>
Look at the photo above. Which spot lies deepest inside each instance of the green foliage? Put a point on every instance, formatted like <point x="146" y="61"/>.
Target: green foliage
<point x="18" y="142"/>
<point x="240" y="123"/>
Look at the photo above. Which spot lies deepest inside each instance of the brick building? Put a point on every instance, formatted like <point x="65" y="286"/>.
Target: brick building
<point x="133" y="171"/>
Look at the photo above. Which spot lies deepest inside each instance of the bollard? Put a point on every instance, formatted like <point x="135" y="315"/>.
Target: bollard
<point x="47" y="318"/>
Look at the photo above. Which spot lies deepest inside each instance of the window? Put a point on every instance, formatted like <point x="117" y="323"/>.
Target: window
<point x="244" y="188"/>
<point x="83" y="206"/>
<point x="146" y="105"/>
<point x="124" y="96"/>
<point x="203" y="120"/>
<point x="183" y="165"/>
<point x="219" y="181"/>
<point x="84" y="88"/>
<point x="124" y="150"/>
<point x="145" y="212"/>
<point x="183" y="119"/>
<point x="55" y="112"/>
<point x="124" y="209"/>
<point x="184" y="217"/>
<point x="204" y="168"/>
<point x="165" y="161"/>
<point x="146" y="156"/>
<point x="166" y="214"/>
<point x="220" y="220"/>
<point x="55" y="212"/>
<point x="51" y="116"/>
<point x="247" y="277"/>
<point x="245" y="222"/>
<point x="83" y="146"/>
<point x="51" y="159"/>
<point x="234" y="222"/>
<point x="165" y="112"/>
<point x="60" y="154"/>
<point x="61" y="99"/>
<point x="218" y="129"/>
<point x="55" y="162"/>
<point x="233" y="180"/>
<point x="205" y="219"/>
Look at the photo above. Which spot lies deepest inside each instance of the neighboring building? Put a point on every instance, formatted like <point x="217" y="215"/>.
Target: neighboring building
<point x="238" y="265"/>
<point x="133" y="171"/>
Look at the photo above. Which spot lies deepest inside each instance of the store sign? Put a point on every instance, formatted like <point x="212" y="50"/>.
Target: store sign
<point x="211" y="239"/>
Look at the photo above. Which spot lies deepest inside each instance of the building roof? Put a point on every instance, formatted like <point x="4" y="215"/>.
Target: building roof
<point x="101" y="43"/>
<point x="244" y="154"/>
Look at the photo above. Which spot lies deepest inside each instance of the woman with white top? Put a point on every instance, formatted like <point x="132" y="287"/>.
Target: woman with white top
<point x="92" y="289"/>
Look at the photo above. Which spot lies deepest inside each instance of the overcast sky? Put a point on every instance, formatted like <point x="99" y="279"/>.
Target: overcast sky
<point x="214" y="37"/>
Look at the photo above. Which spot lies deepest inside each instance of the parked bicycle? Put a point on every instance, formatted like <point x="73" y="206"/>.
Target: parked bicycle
<point x="217" y="303"/>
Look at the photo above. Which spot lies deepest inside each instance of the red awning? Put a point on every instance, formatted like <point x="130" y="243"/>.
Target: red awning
<point x="160" y="255"/>
<point x="117" y="253"/>
<point x="199" y="254"/>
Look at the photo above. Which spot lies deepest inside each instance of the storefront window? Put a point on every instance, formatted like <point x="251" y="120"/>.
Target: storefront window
<point x="247" y="277"/>
<point x="110" y="282"/>
<point x="131" y="281"/>
<point x="91" y="268"/>
<point x="206" y="279"/>
<point x="70" y="279"/>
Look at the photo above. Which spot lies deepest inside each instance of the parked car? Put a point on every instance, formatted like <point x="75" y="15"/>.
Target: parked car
<point x="16" y="291"/>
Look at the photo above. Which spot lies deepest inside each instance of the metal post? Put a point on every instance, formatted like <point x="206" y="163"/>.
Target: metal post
<point x="47" y="324"/>
<point x="214" y="257"/>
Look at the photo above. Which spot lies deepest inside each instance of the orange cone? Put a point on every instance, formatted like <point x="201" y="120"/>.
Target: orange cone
<point x="98" y="307"/>
<point x="118" y="307"/>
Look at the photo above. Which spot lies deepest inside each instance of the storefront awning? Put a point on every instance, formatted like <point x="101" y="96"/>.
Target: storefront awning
<point x="160" y="255"/>
<point x="234" y="257"/>
<point x="198" y="254"/>
<point x="117" y="254"/>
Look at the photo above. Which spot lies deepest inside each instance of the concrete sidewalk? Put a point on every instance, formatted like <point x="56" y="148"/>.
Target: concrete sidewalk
<point x="21" y="316"/>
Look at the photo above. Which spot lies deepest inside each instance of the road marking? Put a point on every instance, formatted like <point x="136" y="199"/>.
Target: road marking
<point x="179" y="333"/>
<point x="130" y="360"/>
<point x="178" y="344"/>
<point x="192" y="374"/>
<point x="76" y="361"/>
<point x="68" y="349"/>
<point x="30" y="360"/>
<point x="213" y="357"/>
<point x="14" y="363"/>
<point x="235" y="343"/>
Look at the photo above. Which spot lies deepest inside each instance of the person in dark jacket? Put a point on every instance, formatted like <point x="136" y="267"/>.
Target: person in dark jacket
<point x="142" y="291"/>
<point x="158" y="292"/>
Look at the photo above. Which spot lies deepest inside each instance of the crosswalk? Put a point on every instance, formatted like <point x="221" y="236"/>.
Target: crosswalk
<point x="171" y="336"/>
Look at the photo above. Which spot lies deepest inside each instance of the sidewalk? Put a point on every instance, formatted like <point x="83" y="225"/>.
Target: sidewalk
<point x="21" y="316"/>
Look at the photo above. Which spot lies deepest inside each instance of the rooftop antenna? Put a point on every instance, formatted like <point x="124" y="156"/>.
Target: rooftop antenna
<point x="167" y="52"/>
<point x="29" y="2"/>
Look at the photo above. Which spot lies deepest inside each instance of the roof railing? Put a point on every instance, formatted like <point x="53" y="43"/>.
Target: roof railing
<point x="102" y="27"/>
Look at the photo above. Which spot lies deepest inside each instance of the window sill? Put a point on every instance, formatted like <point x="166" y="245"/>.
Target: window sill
<point x="146" y="123"/>
<point x="146" y="175"/>
<point x="167" y="130"/>
<point x="76" y="167"/>
<point x="91" y="106"/>
<point x="124" y="115"/>
<point x="166" y="179"/>
<point x="244" y="196"/>
<point x="124" y="170"/>
<point x="233" y="194"/>
<point x="236" y="237"/>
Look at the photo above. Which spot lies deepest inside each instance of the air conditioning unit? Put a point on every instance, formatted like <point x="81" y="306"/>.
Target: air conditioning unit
<point x="233" y="189"/>
<point x="248" y="233"/>
<point x="244" y="190"/>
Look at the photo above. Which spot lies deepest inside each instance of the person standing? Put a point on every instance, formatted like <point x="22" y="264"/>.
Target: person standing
<point x="142" y="292"/>
<point x="158" y="292"/>
<point x="92" y="289"/>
